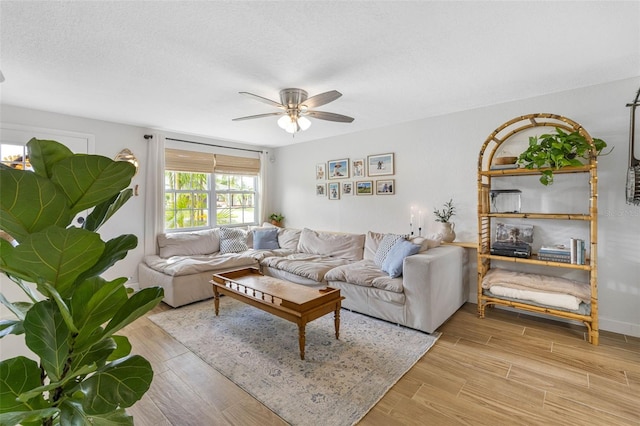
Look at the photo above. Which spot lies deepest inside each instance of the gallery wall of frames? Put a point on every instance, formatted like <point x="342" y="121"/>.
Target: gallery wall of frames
<point x="364" y="176"/>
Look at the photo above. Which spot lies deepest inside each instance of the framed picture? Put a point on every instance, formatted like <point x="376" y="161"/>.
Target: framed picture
<point x="358" y="168"/>
<point x="334" y="191"/>
<point x="513" y="234"/>
<point x="321" y="171"/>
<point x="338" y="169"/>
<point x="386" y="187"/>
<point x="347" y="188"/>
<point x="380" y="165"/>
<point x="321" y="189"/>
<point x="364" y="187"/>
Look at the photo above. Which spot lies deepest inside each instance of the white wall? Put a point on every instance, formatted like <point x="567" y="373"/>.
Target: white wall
<point x="436" y="159"/>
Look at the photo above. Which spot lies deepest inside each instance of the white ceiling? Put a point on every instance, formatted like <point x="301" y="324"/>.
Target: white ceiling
<point x="179" y="65"/>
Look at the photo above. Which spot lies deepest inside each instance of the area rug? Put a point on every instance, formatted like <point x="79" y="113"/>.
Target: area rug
<point x="338" y="382"/>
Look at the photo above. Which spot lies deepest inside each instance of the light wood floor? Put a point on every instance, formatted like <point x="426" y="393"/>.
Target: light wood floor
<point x="505" y="369"/>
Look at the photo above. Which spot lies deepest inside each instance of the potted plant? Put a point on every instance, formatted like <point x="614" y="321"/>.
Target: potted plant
<point x="447" y="232"/>
<point x="86" y="373"/>
<point x="561" y="149"/>
<point x="276" y="219"/>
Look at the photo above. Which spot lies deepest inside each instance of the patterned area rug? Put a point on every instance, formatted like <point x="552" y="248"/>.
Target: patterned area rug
<point x="338" y="382"/>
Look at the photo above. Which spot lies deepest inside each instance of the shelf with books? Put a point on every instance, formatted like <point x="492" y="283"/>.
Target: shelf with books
<point x="583" y="197"/>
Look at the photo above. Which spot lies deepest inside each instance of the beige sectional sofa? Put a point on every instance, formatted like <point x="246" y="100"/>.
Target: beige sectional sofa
<point x="429" y="290"/>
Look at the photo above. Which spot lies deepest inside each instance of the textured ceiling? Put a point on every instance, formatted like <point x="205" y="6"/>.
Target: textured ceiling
<point x="179" y="65"/>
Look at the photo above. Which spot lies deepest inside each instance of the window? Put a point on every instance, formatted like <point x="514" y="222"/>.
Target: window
<point x="15" y="156"/>
<point x="186" y="204"/>
<point x="190" y="187"/>
<point x="235" y="199"/>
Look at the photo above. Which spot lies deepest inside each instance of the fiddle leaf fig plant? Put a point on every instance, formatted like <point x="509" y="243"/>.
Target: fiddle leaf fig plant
<point x="554" y="151"/>
<point x="85" y="373"/>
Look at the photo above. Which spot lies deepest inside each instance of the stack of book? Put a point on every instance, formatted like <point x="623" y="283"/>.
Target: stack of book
<point x="556" y="253"/>
<point x="575" y="253"/>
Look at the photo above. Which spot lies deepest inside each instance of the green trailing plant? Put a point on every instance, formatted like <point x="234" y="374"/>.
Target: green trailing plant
<point x="86" y="373"/>
<point x="554" y="151"/>
<point x="446" y="213"/>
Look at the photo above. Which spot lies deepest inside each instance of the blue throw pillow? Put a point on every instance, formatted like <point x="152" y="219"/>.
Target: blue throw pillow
<point x="392" y="264"/>
<point x="265" y="239"/>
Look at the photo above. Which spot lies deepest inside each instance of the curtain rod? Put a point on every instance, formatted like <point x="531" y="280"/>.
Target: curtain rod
<point x="208" y="144"/>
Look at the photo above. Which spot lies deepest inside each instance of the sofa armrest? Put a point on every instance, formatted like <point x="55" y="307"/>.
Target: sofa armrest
<point x="434" y="286"/>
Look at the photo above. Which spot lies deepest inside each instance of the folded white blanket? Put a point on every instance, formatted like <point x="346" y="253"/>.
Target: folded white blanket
<point x="536" y="282"/>
<point x="562" y="301"/>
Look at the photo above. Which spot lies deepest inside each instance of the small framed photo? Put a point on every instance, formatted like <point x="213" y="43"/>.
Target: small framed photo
<point x="321" y="171"/>
<point x="358" y="168"/>
<point x="347" y="188"/>
<point x="386" y="187"/>
<point x="364" y="187"/>
<point x="334" y="191"/>
<point x="321" y="189"/>
<point x="380" y="165"/>
<point x="338" y="169"/>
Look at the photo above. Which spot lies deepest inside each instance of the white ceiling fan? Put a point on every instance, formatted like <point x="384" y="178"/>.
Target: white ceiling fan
<point x="296" y="106"/>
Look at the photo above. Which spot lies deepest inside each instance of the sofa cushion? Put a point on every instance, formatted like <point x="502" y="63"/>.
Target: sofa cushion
<point x="233" y="240"/>
<point x="392" y="264"/>
<point x="189" y="243"/>
<point x="344" y="246"/>
<point x="311" y="266"/>
<point x="265" y="239"/>
<point x="288" y="238"/>
<point x="365" y="273"/>
<point x="371" y="243"/>
<point x="187" y="265"/>
<point x="388" y="241"/>
<point x="425" y="243"/>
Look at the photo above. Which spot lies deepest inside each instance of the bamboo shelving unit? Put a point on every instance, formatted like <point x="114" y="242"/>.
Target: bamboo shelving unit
<point x="490" y="147"/>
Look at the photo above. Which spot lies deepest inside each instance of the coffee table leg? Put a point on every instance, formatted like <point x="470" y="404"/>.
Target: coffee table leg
<point x="336" y="321"/>
<point x="301" y="339"/>
<point x="216" y="299"/>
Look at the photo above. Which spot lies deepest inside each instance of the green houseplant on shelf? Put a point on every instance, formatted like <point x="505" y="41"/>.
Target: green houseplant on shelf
<point x="86" y="373"/>
<point x="447" y="232"/>
<point x="557" y="150"/>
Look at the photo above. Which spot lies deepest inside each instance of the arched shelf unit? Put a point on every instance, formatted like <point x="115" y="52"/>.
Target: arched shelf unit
<point x="496" y="143"/>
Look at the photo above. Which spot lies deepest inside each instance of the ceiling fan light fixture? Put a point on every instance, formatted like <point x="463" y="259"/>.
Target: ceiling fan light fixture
<point x="304" y="123"/>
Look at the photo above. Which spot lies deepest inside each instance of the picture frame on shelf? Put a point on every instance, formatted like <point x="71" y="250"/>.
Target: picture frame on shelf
<point x="321" y="189"/>
<point x="359" y="168"/>
<point x="386" y="187"/>
<point x="364" y="187"/>
<point x="338" y="169"/>
<point x="347" y="188"/>
<point x="321" y="171"/>
<point x="381" y="164"/>
<point x="334" y="191"/>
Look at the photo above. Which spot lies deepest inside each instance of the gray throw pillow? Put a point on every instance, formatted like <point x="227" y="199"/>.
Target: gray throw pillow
<point x="233" y="240"/>
<point x="265" y="239"/>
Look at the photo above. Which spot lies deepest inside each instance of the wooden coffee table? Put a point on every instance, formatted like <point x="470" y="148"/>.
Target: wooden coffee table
<point x="287" y="300"/>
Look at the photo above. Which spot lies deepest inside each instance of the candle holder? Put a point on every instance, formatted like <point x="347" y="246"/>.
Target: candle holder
<point x="411" y="229"/>
<point x="419" y="231"/>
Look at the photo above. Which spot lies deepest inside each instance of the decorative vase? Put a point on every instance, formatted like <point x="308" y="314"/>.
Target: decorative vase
<point x="447" y="233"/>
<point x="276" y="223"/>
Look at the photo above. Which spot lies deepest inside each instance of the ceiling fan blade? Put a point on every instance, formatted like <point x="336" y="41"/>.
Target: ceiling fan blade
<point x="265" y="100"/>
<point x="330" y="116"/>
<point x="250" y="117"/>
<point x="321" y="99"/>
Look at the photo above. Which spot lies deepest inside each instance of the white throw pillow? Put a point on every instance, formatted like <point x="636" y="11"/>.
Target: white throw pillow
<point x="387" y="242"/>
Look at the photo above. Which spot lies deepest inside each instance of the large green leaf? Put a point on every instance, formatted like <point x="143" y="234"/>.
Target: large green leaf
<point x="57" y="255"/>
<point x="103" y="211"/>
<point x="115" y="249"/>
<point x="43" y="154"/>
<point x="11" y="326"/>
<point x="27" y="418"/>
<point x="119" y="384"/>
<point x="30" y="203"/>
<point x="19" y="375"/>
<point x="73" y="415"/>
<point x="135" y="307"/>
<point x="88" y="180"/>
<point x="98" y="354"/>
<point x="47" y="335"/>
